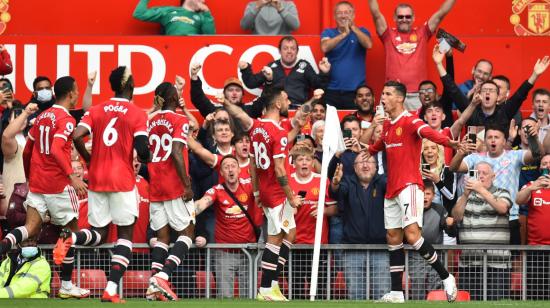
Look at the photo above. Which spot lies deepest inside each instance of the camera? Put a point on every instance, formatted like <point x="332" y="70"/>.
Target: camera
<point x="473" y="174"/>
<point x="451" y="39"/>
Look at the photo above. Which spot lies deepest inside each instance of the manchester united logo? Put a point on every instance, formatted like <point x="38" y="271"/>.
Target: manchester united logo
<point x="243" y="198"/>
<point x="413" y="37"/>
<point x="533" y="13"/>
<point x="315" y="191"/>
<point x="285" y="223"/>
<point x="399" y="131"/>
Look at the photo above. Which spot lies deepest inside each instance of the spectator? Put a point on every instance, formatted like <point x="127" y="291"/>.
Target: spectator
<point x="304" y="181"/>
<point x="25" y="273"/>
<point x="407" y="46"/>
<point x="489" y="111"/>
<point x="232" y="225"/>
<point x="436" y="223"/>
<point x="346" y="47"/>
<point x="541" y="110"/>
<point x="318" y="132"/>
<point x="536" y="196"/>
<point x="505" y="164"/>
<point x="13" y="143"/>
<point x="439" y="174"/>
<point x="364" y="102"/>
<point x="5" y="61"/>
<point x="361" y="202"/>
<point x="482" y="215"/>
<point x="529" y="172"/>
<point x="270" y="17"/>
<point x="481" y="72"/>
<point x="191" y="18"/>
<point x="296" y="76"/>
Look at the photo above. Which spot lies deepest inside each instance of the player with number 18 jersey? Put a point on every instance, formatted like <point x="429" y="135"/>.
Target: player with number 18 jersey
<point x="269" y="141"/>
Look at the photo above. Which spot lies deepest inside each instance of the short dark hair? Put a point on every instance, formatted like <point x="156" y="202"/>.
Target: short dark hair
<point x="494" y="125"/>
<point x="39" y="79"/>
<point x="398" y="86"/>
<point x="503" y="78"/>
<point x="434" y="104"/>
<point x="221" y="122"/>
<point x="428" y="184"/>
<point x="164" y="90"/>
<point x="271" y="96"/>
<point x="349" y="118"/>
<point x="490" y="82"/>
<point x="229" y="156"/>
<point x="539" y="91"/>
<point x="320" y="103"/>
<point x="287" y="38"/>
<point x="528" y="119"/>
<point x="425" y="82"/>
<point x="363" y="86"/>
<point x="7" y="81"/>
<point x="238" y="137"/>
<point x="306" y="136"/>
<point x="63" y="86"/>
<point x="118" y="85"/>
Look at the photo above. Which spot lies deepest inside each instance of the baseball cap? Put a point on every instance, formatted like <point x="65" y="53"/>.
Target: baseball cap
<point x="232" y="80"/>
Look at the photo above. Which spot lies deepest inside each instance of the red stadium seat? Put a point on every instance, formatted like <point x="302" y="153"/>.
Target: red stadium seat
<point x="91" y="279"/>
<point x="439" y="295"/>
<point x="200" y="282"/>
<point x="515" y="282"/>
<point x="339" y="284"/>
<point x="135" y="283"/>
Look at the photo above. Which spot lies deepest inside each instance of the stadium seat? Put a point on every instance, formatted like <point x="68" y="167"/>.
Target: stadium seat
<point x="515" y="282"/>
<point x="339" y="284"/>
<point x="135" y="283"/>
<point x="201" y="282"/>
<point x="91" y="279"/>
<point x="439" y="295"/>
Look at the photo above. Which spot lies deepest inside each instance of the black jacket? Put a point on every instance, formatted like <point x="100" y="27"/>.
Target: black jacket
<point x="362" y="210"/>
<point x="301" y="80"/>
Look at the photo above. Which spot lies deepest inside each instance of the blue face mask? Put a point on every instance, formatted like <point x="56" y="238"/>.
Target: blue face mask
<point x="29" y="251"/>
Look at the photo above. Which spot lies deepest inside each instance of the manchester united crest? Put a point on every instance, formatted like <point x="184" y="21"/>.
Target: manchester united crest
<point x="243" y="198"/>
<point x="315" y="191"/>
<point x="399" y="131"/>
<point x="531" y="17"/>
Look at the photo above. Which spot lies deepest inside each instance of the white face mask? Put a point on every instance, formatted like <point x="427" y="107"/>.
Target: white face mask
<point x="44" y="95"/>
<point x="29" y="251"/>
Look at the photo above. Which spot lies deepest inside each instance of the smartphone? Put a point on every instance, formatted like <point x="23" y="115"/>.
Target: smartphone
<point x="426" y="167"/>
<point x="302" y="193"/>
<point x="526" y="129"/>
<point x="472" y="134"/>
<point x="347" y="133"/>
<point x="473" y="174"/>
<point x="300" y="138"/>
<point x="17" y="112"/>
<point x="380" y="110"/>
<point x="544" y="172"/>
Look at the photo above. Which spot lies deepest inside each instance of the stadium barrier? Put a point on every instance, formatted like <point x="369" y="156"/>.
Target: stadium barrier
<point x="345" y="272"/>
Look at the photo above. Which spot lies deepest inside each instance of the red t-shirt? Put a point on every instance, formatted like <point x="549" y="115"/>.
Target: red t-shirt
<point x="165" y="128"/>
<point x="402" y="139"/>
<point x="538" y="232"/>
<point x="406" y="55"/>
<point x="47" y="176"/>
<point x="232" y="226"/>
<point x="305" y="223"/>
<point x="142" y="223"/>
<point x="269" y="141"/>
<point x="114" y="124"/>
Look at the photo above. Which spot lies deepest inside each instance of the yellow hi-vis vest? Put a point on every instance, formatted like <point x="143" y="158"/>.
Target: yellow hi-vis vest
<point x="32" y="280"/>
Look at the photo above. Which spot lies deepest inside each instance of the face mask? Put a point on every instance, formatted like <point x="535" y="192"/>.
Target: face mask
<point x="44" y="95"/>
<point x="29" y="251"/>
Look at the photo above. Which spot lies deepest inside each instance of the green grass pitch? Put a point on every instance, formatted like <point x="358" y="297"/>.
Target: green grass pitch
<point x="204" y="303"/>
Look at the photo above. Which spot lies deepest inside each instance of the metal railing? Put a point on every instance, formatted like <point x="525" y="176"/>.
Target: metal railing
<point x="356" y="272"/>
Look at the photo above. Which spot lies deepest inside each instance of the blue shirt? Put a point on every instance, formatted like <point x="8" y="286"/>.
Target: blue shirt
<point x="347" y="59"/>
<point x="507" y="168"/>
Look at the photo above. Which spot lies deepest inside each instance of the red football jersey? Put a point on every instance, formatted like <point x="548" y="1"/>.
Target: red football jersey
<point x="83" y="222"/>
<point x="269" y="141"/>
<point x="305" y="223"/>
<point x="46" y="175"/>
<point x="232" y="226"/>
<point x="165" y="128"/>
<point x="402" y="139"/>
<point x="142" y="223"/>
<point x="538" y="217"/>
<point x="114" y="124"/>
<point x="245" y="171"/>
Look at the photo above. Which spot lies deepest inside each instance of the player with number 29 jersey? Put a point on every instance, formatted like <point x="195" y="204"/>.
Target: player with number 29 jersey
<point x="114" y="124"/>
<point x="165" y="128"/>
<point x="269" y="141"/>
<point x="47" y="175"/>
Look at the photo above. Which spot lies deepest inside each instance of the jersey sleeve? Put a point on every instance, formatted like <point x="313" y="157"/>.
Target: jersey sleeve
<point x="86" y="120"/>
<point x="280" y="143"/>
<point x="425" y="131"/>
<point x="65" y="128"/>
<point x="212" y="193"/>
<point x="181" y="130"/>
<point x="140" y="123"/>
<point x="32" y="132"/>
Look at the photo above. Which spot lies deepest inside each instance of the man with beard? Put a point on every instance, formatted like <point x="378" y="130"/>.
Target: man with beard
<point x="346" y="47"/>
<point x="481" y="72"/>
<point x="296" y="76"/>
<point x="364" y="100"/>
<point x="407" y="46"/>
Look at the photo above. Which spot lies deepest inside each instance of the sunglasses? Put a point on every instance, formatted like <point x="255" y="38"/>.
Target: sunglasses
<point x="404" y="16"/>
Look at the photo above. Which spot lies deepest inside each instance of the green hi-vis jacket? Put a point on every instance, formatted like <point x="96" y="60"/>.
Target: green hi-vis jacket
<point x="31" y="280"/>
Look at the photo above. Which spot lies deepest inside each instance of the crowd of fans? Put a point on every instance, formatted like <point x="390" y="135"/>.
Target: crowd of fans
<point x="493" y="190"/>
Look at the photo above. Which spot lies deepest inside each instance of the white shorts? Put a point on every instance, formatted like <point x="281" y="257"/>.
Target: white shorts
<point x="404" y="209"/>
<point x="120" y="208"/>
<point x="62" y="207"/>
<point x="280" y="218"/>
<point x="177" y="213"/>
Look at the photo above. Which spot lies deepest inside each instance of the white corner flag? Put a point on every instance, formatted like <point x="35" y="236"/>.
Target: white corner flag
<point x="332" y="142"/>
